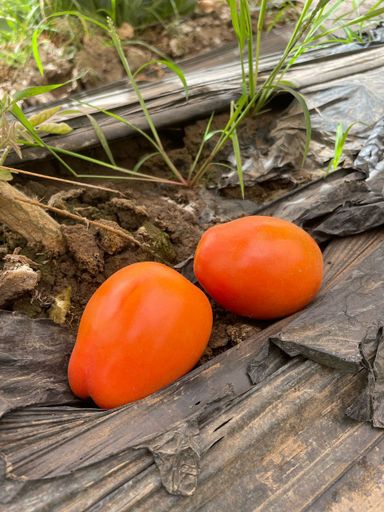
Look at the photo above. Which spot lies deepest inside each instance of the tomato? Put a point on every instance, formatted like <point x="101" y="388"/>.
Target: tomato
<point x="143" y="328"/>
<point x="259" y="267"/>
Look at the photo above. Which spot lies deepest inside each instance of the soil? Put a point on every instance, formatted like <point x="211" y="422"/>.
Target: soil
<point x="164" y="221"/>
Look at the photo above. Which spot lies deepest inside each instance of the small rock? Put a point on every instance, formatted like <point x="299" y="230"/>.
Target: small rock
<point x="83" y="246"/>
<point x="219" y="337"/>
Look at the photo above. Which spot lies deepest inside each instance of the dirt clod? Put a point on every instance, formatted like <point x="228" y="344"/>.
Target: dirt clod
<point x="126" y="31"/>
<point x="229" y="331"/>
<point x="82" y="245"/>
<point x="99" y="60"/>
<point x="137" y="57"/>
<point x="111" y="242"/>
<point x="17" y="277"/>
<point x="59" y="199"/>
<point x="158" y="240"/>
<point x="131" y="215"/>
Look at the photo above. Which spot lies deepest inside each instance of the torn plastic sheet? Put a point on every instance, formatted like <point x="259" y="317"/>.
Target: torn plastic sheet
<point x="331" y="330"/>
<point x="371" y="158"/>
<point x="33" y="370"/>
<point x="257" y="368"/>
<point x="275" y="432"/>
<point x="218" y="209"/>
<point x="346" y="202"/>
<point x="343" y="329"/>
<point x="177" y="456"/>
<point x="370" y="404"/>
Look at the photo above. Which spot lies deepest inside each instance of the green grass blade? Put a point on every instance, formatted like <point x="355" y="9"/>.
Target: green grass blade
<point x="124" y="121"/>
<point x="237" y="153"/>
<point x="341" y="137"/>
<point x="114" y="11"/>
<point x="260" y="25"/>
<point x="234" y="17"/>
<point x="171" y="66"/>
<point x="99" y="162"/>
<point x="150" y="47"/>
<point x="117" y="44"/>
<point x="177" y="70"/>
<point x="211" y="134"/>
<point x="220" y="164"/>
<point x="28" y="92"/>
<point x="78" y="14"/>
<point x="20" y="116"/>
<point x="38" y="31"/>
<point x="35" y="50"/>
<point x="102" y="138"/>
<point x="201" y="147"/>
<point x="144" y="159"/>
<point x="377" y="13"/>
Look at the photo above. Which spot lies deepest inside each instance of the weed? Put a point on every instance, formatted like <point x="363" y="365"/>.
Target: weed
<point x="340" y="139"/>
<point x="21" y="130"/>
<point x="308" y="33"/>
<point x="17" y="20"/>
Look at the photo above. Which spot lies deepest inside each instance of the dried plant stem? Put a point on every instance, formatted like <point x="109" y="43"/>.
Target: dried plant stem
<point x="87" y="222"/>
<point x="30" y="221"/>
<point x="61" y="180"/>
<point x="4" y="155"/>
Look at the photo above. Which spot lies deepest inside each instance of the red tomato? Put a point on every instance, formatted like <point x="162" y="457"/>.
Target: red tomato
<point x="143" y="328"/>
<point x="259" y="267"/>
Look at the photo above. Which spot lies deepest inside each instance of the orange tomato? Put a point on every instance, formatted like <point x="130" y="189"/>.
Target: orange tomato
<point x="143" y="328"/>
<point x="260" y="267"/>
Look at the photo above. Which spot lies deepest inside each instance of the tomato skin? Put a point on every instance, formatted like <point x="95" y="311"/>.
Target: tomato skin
<point x="142" y="329"/>
<point x="259" y="267"/>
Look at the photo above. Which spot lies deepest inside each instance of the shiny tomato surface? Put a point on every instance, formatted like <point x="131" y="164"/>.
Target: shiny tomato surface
<point x="143" y="328"/>
<point x="259" y="267"/>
